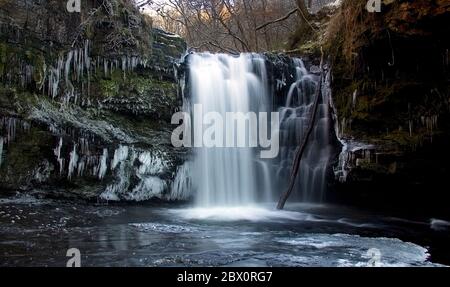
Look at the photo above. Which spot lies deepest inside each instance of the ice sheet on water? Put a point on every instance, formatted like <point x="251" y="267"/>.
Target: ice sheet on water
<point x="352" y="250"/>
<point x="260" y="213"/>
<point x="248" y="213"/>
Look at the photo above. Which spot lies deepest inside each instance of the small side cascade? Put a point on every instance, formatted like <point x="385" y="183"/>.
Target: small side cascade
<point x="294" y="117"/>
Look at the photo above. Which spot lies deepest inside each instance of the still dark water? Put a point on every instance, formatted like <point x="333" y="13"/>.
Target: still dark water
<point x="38" y="232"/>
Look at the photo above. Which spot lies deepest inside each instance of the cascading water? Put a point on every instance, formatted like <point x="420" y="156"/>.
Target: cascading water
<point x="238" y="176"/>
<point x="221" y="84"/>
<point x="294" y="118"/>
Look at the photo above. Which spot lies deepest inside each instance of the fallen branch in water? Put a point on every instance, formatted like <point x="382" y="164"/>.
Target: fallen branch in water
<point x="302" y="147"/>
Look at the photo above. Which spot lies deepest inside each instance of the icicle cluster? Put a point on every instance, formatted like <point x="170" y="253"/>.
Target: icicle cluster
<point x="11" y="125"/>
<point x="81" y="160"/>
<point x="76" y="66"/>
<point x="147" y="167"/>
<point x="430" y="122"/>
<point x="353" y="154"/>
<point x="127" y="163"/>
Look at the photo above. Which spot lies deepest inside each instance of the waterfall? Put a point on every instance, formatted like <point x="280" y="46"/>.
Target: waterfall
<point x="224" y="176"/>
<point x="222" y="84"/>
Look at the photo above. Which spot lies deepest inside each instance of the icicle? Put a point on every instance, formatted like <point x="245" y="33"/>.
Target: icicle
<point x="73" y="162"/>
<point x="11" y="128"/>
<point x="355" y="93"/>
<point x="87" y="63"/>
<point x="103" y="166"/>
<point x="75" y="64"/>
<point x="81" y="166"/>
<point x="124" y="64"/>
<point x="69" y="86"/>
<point x="29" y="70"/>
<point x="120" y="155"/>
<point x="87" y="60"/>
<point x="55" y="76"/>
<point x="44" y="73"/>
<point x="57" y="152"/>
<point x="1" y="150"/>
<point x="410" y="128"/>
<point x="105" y="67"/>
<point x="84" y="146"/>
<point x="81" y="62"/>
<point x="92" y="161"/>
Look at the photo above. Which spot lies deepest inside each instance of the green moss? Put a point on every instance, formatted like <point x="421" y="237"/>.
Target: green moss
<point x="133" y="83"/>
<point x="109" y="88"/>
<point x="311" y="48"/>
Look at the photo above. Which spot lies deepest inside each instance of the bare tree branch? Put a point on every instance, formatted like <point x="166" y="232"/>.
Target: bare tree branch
<point x="285" y="17"/>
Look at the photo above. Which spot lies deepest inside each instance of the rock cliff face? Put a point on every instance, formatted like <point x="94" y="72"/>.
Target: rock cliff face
<point x="86" y="101"/>
<point x="391" y="92"/>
